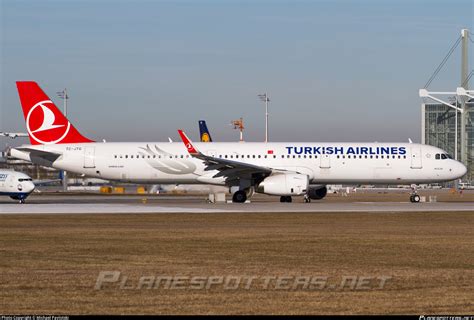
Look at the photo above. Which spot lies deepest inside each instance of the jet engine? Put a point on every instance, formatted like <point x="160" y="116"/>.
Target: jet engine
<point x="284" y="184"/>
<point x="317" y="192"/>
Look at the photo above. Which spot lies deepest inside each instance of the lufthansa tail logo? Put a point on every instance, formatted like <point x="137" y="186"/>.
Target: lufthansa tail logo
<point x="205" y="137"/>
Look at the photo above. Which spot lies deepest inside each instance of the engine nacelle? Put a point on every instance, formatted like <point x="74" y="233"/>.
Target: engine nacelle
<point x="317" y="192"/>
<point x="284" y="184"/>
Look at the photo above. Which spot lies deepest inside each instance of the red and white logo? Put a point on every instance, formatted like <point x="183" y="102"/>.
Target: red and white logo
<point x="44" y="125"/>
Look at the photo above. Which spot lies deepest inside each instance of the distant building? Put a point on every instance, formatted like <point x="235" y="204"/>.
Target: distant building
<point x="438" y="129"/>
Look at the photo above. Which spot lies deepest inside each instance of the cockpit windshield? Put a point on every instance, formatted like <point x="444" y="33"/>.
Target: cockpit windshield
<point x="442" y="156"/>
<point x="24" y="179"/>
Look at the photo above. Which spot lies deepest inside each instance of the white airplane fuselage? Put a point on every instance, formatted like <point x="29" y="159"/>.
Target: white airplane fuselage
<point x="323" y="163"/>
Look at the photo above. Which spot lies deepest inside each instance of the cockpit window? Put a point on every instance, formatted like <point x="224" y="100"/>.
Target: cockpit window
<point x="448" y="156"/>
<point x="24" y="179"/>
<point x="438" y="156"/>
<point x="443" y="156"/>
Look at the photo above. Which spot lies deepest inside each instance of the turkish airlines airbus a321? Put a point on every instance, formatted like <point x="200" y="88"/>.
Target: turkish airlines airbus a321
<point x="280" y="169"/>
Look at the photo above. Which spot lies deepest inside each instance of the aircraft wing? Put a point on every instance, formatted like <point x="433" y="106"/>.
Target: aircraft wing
<point x="44" y="155"/>
<point x="44" y="182"/>
<point x="13" y="135"/>
<point x="230" y="169"/>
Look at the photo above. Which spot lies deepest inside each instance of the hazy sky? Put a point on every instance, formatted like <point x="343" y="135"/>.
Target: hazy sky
<point x="138" y="70"/>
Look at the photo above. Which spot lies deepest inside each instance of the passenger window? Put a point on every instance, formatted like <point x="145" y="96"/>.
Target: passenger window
<point x="274" y="156"/>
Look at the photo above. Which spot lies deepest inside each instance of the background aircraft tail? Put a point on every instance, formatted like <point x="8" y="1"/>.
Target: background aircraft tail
<point x="45" y="123"/>
<point x="204" y="132"/>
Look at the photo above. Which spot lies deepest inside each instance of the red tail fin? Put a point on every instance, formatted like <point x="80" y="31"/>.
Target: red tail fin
<point x="44" y="122"/>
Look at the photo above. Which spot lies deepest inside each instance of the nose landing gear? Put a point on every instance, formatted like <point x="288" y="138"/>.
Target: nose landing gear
<point x="414" y="198"/>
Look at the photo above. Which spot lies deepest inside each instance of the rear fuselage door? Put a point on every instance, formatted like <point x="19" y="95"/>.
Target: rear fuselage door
<point x="89" y="157"/>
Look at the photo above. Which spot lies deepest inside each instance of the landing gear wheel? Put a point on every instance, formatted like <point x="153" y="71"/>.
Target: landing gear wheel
<point x="307" y="199"/>
<point x="239" y="196"/>
<point x="285" y="199"/>
<point x="22" y="201"/>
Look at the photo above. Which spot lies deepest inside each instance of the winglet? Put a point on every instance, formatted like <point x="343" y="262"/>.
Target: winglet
<point x="189" y="145"/>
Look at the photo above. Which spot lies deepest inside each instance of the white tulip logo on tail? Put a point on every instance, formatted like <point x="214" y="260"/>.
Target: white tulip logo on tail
<point x="49" y="131"/>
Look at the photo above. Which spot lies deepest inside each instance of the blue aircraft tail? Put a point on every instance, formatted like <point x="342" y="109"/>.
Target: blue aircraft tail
<point x="204" y="132"/>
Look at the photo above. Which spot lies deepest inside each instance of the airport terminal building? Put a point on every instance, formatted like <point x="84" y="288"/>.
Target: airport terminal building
<point x="438" y="123"/>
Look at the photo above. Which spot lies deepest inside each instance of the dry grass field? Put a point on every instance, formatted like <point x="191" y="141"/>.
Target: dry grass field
<point x="50" y="263"/>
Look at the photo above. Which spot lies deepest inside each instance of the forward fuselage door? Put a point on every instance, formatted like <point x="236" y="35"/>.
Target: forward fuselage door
<point x="325" y="161"/>
<point x="416" y="158"/>
<point x="89" y="157"/>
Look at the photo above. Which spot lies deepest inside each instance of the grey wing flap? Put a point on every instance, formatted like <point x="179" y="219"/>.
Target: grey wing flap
<point x="41" y="157"/>
<point x="231" y="169"/>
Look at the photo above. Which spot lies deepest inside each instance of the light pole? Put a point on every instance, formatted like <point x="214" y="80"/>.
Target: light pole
<point x="63" y="95"/>
<point x="264" y="97"/>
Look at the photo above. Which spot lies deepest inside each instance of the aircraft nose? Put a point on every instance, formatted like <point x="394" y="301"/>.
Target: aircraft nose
<point x="460" y="169"/>
<point x="29" y="186"/>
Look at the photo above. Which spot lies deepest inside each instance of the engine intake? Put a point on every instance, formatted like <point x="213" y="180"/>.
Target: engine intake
<point x="284" y="184"/>
<point x="317" y="192"/>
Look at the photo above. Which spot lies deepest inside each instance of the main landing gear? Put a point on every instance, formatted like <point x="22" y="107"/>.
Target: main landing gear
<point x="285" y="199"/>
